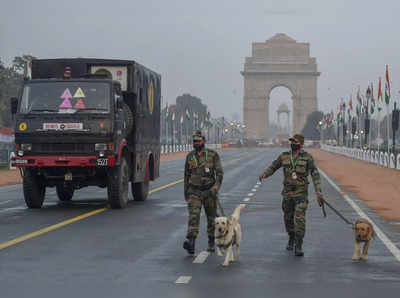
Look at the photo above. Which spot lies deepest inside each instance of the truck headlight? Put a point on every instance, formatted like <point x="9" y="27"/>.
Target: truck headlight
<point x="100" y="147"/>
<point x="26" y="147"/>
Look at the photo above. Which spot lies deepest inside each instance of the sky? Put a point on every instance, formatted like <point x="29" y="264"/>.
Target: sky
<point x="199" y="47"/>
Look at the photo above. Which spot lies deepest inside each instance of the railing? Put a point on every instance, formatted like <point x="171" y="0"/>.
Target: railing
<point x="380" y="158"/>
<point x="166" y="149"/>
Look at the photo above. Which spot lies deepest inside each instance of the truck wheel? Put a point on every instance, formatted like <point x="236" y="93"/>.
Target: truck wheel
<point x="34" y="189"/>
<point x="140" y="190"/>
<point x="118" y="184"/>
<point x="64" y="193"/>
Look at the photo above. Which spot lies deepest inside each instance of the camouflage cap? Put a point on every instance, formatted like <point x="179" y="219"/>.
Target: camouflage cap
<point x="297" y="138"/>
<point x="198" y="136"/>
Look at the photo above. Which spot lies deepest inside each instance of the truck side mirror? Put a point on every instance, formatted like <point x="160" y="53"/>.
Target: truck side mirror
<point x="14" y="105"/>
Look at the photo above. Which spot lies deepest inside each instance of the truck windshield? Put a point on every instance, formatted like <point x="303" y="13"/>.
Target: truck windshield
<point x="66" y="97"/>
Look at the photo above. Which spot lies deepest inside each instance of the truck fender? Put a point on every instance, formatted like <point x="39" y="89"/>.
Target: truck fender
<point x="122" y="145"/>
<point x="150" y="163"/>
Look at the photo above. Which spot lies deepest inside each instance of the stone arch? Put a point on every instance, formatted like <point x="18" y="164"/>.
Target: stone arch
<point x="279" y="62"/>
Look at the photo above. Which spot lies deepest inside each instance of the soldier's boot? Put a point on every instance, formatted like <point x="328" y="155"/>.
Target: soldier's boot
<point x="189" y="245"/>
<point x="211" y="244"/>
<point x="298" y="251"/>
<point x="290" y="242"/>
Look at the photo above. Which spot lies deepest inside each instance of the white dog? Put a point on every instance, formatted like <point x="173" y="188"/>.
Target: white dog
<point x="227" y="234"/>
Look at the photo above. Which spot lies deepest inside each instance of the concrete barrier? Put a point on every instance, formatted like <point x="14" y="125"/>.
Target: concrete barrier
<point x="386" y="160"/>
<point x="392" y="161"/>
<point x="12" y="155"/>
<point x="398" y="162"/>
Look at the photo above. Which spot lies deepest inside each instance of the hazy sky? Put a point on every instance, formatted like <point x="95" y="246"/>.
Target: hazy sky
<point x="199" y="46"/>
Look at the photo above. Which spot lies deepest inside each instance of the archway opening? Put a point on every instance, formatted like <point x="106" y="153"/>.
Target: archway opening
<point x="280" y="114"/>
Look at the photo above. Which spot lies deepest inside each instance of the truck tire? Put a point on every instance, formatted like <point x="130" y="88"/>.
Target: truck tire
<point x="140" y="190"/>
<point x="64" y="193"/>
<point x="118" y="185"/>
<point x="34" y="189"/>
<point x="128" y="116"/>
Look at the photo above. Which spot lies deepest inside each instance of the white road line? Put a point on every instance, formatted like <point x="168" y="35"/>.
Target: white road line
<point x="5" y="202"/>
<point x="201" y="258"/>
<point x="250" y="194"/>
<point x="258" y="182"/>
<point x="246" y="199"/>
<point x="256" y="186"/>
<point x="183" y="279"/>
<point x="388" y="243"/>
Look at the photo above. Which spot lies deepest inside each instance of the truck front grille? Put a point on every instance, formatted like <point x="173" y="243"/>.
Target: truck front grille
<point x="62" y="148"/>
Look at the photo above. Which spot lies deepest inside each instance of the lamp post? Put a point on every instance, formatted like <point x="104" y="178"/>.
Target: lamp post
<point x="321" y="134"/>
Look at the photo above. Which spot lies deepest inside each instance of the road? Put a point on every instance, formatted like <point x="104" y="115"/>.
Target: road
<point x="137" y="252"/>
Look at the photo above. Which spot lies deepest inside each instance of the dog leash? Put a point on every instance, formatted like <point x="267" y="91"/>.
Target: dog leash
<point x="337" y="212"/>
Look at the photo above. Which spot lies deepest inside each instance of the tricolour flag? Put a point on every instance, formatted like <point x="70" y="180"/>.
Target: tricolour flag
<point x="379" y="89"/>
<point x="387" y="86"/>
<point x="181" y="116"/>
<point x="166" y="110"/>
<point x="187" y="114"/>
<point x="351" y="103"/>
<point x="173" y="113"/>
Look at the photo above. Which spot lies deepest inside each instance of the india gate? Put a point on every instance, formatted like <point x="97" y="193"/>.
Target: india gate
<point x="280" y="61"/>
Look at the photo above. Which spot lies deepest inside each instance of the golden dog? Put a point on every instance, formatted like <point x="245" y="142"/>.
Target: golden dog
<point x="363" y="232"/>
<point x="228" y="234"/>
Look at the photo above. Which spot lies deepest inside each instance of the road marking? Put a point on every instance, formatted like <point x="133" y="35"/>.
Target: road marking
<point x="69" y="221"/>
<point x="183" y="279"/>
<point x="258" y="183"/>
<point x="256" y="186"/>
<point x="250" y="194"/>
<point x="74" y="219"/>
<point x="165" y="186"/>
<point x="5" y="202"/>
<point x="253" y="190"/>
<point x="246" y="199"/>
<point x="388" y="243"/>
<point x="201" y="258"/>
<point x="50" y="228"/>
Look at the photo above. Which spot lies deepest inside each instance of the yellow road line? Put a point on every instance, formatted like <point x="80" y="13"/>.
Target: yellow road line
<point x="69" y="221"/>
<point x="50" y="228"/>
<point x="85" y="215"/>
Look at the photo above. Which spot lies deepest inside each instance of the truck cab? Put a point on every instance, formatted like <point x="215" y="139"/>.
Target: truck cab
<point x="88" y="129"/>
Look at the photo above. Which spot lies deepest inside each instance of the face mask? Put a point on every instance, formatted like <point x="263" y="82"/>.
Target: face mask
<point x="295" y="147"/>
<point x="198" y="147"/>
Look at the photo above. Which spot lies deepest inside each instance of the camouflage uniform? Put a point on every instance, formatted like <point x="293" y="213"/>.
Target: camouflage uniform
<point x="295" y="191"/>
<point x="202" y="175"/>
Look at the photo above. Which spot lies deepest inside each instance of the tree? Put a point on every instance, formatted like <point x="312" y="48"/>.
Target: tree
<point x="10" y="84"/>
<point x="19" y="62"/>
<point x="311" y="130"/>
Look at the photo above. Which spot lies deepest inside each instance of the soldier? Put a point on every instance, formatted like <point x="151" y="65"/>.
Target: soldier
<point x="297" y="165"/>
<point x="203" y="179"/>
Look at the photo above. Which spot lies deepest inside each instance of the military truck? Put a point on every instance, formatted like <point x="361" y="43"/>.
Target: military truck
<point x="88" y="122"/>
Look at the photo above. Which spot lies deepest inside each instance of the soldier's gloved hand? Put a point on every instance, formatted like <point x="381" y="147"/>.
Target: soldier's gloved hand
<point x="214" y="190"/>
<point x="261" y="177"/>
<point x="320" y="198"/>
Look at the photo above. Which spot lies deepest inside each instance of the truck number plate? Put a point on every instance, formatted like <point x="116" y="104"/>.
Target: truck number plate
<point x="102" y="161"/>
<point x="68" y="177"/>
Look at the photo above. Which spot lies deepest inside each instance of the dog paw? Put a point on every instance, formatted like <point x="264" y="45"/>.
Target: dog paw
<point x="364" y="257"/>
<point x="220" y="254"/>
<point x="225" y="264"/>
<point x="355" y="257"/>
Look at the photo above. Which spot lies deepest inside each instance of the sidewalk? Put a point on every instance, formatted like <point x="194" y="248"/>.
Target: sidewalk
<point x="378" y="187"/>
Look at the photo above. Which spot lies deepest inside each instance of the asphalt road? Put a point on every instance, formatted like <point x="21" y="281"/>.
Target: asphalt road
<point x="137" y="252"/>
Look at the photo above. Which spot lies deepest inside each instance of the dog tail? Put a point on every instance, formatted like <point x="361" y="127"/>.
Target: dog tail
<point x="236" y="214"/>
